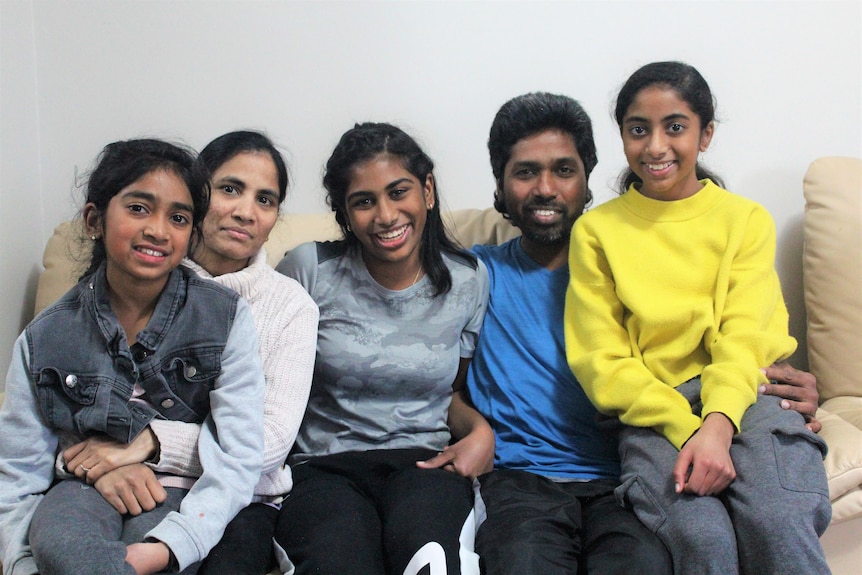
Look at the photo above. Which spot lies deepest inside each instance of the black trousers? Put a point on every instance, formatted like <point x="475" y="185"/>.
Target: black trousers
<point x="535" y="525"/>
<point x="246" y="546"/>
<point x="375" y="512"/>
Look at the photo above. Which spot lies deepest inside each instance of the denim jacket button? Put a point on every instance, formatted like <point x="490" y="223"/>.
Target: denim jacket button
<point x="71" y="381"/>
<point x="191" y="371"/>
<point x="168" y="403"/>
<point x="141" y="355"/>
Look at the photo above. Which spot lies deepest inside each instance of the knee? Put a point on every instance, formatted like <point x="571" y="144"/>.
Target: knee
<point x="704" y="524"/>
<point x="649" y="556"/>
<point x="518" y="557"/>
<point x="785" y="515"/>
<point x="510" y="547"/>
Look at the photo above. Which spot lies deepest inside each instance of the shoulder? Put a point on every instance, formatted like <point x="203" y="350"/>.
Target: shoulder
<point x="200" y="297"/>
<point x="309" y="255"/>
<point x="71" y="300"/>
<point x="740" y="205"/>
<point x="611" y="206"/>
<point x="281" y="291"/>
<point x="498" y="257"/>
<point x="490" y="253"/>
<point x="469" y="279"/>
<point x="197" y="285"/>
<point x="307" y="262"/>
<point x="614" y="208"/>
<point x="469" y="265"/>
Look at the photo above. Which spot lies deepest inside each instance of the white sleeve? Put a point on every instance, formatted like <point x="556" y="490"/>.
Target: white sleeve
<point x="230" y="447"/>
<point x="27" y="450"/>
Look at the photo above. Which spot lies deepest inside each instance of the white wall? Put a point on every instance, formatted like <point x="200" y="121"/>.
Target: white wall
<point x="77" y="75"/>
<point x="21" y="193"/>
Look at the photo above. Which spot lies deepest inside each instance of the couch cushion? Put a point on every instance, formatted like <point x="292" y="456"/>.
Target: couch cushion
<point x="65" y="258"/>
<point x="843" y="465"/>
<point x="832" y="273"/>
<point x="468" y="227"/>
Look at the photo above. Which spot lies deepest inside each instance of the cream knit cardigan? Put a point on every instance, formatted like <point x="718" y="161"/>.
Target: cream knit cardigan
<point x="286" y="320"/>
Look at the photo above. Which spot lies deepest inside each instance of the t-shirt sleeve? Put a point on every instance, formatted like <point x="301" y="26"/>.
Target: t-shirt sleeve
<point x="300" y="263"/>
<point x="470" y="333"/>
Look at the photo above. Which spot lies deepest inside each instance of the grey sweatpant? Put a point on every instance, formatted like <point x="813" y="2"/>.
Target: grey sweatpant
<point x="767" y="521"/>
<point x="75" y="530"/>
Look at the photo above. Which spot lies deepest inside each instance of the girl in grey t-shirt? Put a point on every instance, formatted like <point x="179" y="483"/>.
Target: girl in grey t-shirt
<point x="401" y="307"/>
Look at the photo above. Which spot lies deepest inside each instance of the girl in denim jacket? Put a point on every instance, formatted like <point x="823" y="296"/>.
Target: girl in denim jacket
<point x="138" y="339"/>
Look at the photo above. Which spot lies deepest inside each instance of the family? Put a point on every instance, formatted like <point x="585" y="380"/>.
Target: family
<point x="604" y="394"/>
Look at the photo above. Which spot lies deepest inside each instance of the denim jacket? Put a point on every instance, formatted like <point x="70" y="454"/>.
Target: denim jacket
<point x="72" y="373"/>
<point x="175" y="360"/>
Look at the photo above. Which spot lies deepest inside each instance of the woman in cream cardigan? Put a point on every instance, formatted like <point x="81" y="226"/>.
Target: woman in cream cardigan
<point x="249" y="182"/>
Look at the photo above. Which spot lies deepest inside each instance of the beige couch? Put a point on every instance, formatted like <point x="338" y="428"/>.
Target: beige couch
<point x="833" y="278"/>
<point x="832" y="275"/>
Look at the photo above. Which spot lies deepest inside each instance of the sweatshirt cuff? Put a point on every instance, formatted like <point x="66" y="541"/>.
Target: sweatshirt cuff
<point x="678" y="432"/>
<point x="184" y="549"/>
<point x="177" y="452"/>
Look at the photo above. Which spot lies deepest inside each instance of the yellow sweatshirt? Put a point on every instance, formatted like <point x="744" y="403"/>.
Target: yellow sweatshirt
<point x="661" y="292"/>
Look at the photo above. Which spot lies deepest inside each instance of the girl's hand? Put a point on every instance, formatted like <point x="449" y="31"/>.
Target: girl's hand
<point x="148" y="558"/>
<point x="469" y="457"/>
<point x="131" y="489"/>
<point x="95" y="456"/>
<point x="704" y="466"/>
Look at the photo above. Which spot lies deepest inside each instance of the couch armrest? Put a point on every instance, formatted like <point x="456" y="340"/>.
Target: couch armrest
<point x="64" y="260"/>
<point x="832" y="274"/>
<point x="843" y="464"/>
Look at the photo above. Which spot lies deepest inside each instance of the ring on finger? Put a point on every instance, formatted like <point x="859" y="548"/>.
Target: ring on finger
<point x="86" y="470"/>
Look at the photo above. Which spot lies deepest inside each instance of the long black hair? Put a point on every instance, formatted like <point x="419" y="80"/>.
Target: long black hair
<point x="366" y="141"/>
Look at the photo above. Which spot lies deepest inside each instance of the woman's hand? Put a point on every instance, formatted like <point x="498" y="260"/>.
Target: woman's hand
<point x="131" y="489"/>
<point x="95" y="456"/>
<point x="704" y="466"/>
<point x="798" y="390"/>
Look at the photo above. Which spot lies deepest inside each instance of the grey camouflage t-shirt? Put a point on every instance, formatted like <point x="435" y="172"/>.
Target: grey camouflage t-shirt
<point x="386" y="359"/>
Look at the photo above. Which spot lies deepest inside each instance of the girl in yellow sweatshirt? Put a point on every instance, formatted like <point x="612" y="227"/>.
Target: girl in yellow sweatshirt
<point x="673" y="307"/>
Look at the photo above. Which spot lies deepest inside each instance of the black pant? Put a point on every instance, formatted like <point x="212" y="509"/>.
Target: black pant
<point x="374" y="512"/>
<point x="535" y="525"/>
<point x="246" y="546"/>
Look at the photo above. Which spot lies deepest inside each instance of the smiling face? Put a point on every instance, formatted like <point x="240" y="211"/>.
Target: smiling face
<point x="661" y="139"/>
<point x="386" y="207"/>
<point x="145" y="228"/>
<point x="243" y="210"/>
<point x="544" y="187"/>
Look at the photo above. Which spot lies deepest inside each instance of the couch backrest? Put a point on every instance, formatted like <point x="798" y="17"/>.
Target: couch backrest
<point x="65" y="252"/>
<point x="832" y="274"/>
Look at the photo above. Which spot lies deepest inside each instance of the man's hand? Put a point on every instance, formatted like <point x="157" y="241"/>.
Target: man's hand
<point x="95" y="456"/>
<point x="798" y="390"/>
<point x="470" y="457"/>
<point x="704" y="466"/>
<point x="131" y="489"/>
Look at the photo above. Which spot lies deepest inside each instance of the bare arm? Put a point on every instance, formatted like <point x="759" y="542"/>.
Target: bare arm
<point x="131" y="489"/>
<point x="95" y="456"/>
<point x="472" y="454"/>
<point x="704" y="466"/>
